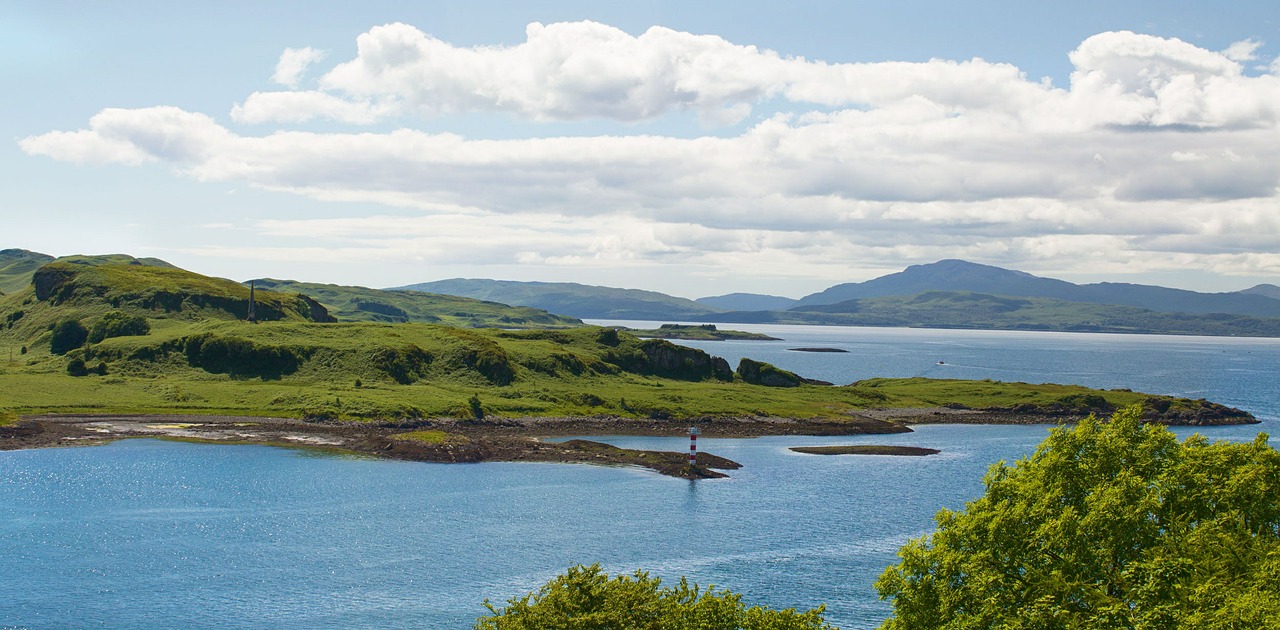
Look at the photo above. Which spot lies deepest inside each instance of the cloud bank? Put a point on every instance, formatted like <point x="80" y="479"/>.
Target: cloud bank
<point x="1158" y="154"/>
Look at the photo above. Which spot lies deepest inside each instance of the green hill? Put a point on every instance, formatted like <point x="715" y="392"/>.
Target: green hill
<point x="572" y="299"/>
<point x="16" y="267"/>
<point x="360" y="304"/>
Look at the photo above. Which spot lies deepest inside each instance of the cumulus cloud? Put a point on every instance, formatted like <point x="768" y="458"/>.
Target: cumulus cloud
<point x="294" y="63"/>
<point x="902" y="161"/>
<point x="1242" y="51"/>
<point x="583" y="70"/>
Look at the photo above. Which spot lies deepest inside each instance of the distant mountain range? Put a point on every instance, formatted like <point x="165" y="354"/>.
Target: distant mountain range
<point x="959" y="275"/>
<point x="572" y="299"/>
<point x="945" y="294"/>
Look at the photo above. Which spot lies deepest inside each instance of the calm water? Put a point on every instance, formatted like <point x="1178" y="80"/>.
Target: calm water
<point x="144" y="533"/>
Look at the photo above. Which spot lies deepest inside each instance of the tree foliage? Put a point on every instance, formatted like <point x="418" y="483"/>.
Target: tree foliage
<point x="117" y="324"/>
<point x="241" y="357"/>
<point x="67" y="335"/>
<point x="587" y="598"/>
<point x="1106" y="525"/>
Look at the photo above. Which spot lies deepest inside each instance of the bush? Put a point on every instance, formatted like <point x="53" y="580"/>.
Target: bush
<point x="586" y="597"/>
<point x="474" y="406"/>
<point x="68" y="335"/>
<point x="76" y="367"/>
<point x="232" y="355"/>
<point x="405" y="365"/>
<point x="1112" y="525"/>
<point x="117" y="324"/>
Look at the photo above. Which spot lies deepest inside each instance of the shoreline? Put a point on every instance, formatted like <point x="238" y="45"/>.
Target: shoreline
<point x="449" y="440"/>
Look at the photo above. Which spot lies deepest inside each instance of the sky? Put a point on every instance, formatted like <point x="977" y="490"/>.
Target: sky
<point x="691" y="148"/>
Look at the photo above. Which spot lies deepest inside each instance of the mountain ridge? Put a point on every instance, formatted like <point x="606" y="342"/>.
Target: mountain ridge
<point x="959" y="275"/>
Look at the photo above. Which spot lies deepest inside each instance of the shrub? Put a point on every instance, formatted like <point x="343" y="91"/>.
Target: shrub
<point x="232" y="355"/>
<point x="405" y="365"/>
<point x="474" y="406"/>
<point x="117" y="324"/>
<point x="68" y="335"/>
<point x="76" y="367"/>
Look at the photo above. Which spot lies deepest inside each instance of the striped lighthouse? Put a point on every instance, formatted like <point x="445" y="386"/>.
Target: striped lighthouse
<point x="693" y="446"/>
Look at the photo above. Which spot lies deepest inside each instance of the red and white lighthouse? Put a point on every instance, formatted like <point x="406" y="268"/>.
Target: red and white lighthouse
<point x="693" y="446"/>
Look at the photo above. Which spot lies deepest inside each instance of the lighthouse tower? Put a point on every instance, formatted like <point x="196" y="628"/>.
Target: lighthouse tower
<point x="693" y="446"/>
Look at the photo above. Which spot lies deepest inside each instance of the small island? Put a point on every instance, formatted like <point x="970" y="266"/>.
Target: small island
<point x="816" y="350"/>
<point x="866" y="449"/>
<point x="699" y="332"/>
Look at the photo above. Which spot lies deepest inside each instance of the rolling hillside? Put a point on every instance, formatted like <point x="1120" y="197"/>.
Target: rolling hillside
<point x="571" y="299"/>
<point x="360" y="304"/>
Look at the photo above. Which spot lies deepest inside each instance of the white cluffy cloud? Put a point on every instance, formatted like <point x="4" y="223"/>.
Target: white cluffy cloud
<point x="574" y="71"/>
<point x="1243" y="50"/>
<point x="1157" y="153"/>
<point x="293" y="63"/>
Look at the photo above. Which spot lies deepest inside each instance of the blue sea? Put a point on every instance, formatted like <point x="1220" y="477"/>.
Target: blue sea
<point x="154" y="534"/>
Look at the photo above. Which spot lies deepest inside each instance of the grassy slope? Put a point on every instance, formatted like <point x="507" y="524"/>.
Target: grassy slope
<point x="553" y="374"/>
<point x="944" y="309"/>
<point x="349" y="303"/>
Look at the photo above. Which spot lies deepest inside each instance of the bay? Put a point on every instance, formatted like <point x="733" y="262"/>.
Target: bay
<point x="149" y="534"/>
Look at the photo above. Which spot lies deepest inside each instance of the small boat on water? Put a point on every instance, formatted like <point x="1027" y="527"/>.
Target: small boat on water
<point x="942" y="362"/>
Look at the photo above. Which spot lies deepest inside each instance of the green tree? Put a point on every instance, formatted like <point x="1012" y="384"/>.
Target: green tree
<point x="67" y="335"/>
<point x="587" y="598"/>
<point x="1106" y="525"/>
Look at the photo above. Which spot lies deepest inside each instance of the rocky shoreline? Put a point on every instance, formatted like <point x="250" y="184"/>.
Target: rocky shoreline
<point x="522" y="439"/>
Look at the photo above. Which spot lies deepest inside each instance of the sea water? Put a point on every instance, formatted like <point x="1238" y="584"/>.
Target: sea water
<point x="146" y="533"/>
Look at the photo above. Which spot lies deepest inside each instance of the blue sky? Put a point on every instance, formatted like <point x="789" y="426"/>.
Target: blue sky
<point x="691" y="148"/>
